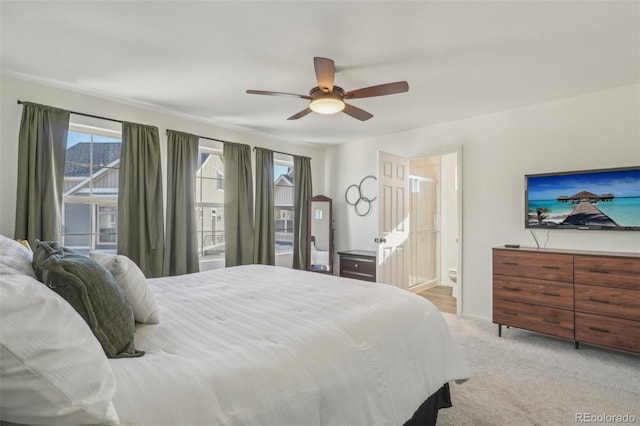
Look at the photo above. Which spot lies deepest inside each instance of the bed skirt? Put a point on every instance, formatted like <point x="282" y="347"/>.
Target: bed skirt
<point x="427" y="413"/>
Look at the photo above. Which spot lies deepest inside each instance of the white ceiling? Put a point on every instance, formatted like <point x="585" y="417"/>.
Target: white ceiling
<point x="197" y="59"/>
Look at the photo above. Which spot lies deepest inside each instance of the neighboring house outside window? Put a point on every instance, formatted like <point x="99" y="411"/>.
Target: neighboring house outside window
<point x="210" y="204"/>
<point x="90" y="190"/>
<point x="283" y="214"/>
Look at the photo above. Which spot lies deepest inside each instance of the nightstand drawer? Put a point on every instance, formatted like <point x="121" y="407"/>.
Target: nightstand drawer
<point x="358" y="264"/>
<point x="555" y="294"/>
<point x="358" y="276"/>
<point x="546" y="266"/>
<point x="610" y="301"/>
<point x="613" y="332"/>
<point x="608" y="271"/>
<point x="557" y="322"/>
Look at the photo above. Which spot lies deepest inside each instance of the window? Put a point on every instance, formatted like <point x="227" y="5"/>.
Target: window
<point x="283" y="214"/>
<point x="90" y="189"/>
<point x="108" y="223"/>
<point x="210" y="204"/>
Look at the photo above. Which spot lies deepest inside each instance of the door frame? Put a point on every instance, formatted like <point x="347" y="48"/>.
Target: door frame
<point x="439" y="151"/>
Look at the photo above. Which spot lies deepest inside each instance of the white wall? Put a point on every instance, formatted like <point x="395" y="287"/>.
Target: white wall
<point x="13" y="89"/>
<point x="591" y="131"/>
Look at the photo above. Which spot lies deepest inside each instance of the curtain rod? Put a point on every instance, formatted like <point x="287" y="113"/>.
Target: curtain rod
<point x="223" y="141"/>
<point x="204" y="137"/>
<point x="120" y="121"/>
<point x="83" y="114"/>
<point x="284" y="153"/>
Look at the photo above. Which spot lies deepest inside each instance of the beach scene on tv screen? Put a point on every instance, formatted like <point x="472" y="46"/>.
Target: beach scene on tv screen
<point x="607" y="199"/>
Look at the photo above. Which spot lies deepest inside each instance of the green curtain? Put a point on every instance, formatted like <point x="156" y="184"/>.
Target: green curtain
<point x="238" y="204"/>
<point x="265" y="234"/>
<point x="140" y="207"/>
<point x="42" y="149"/>
<point x="181" y="245"/>
<point x="303" y="191"/>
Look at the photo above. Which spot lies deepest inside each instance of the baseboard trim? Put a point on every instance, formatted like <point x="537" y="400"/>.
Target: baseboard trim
<point x="422" y="287"/>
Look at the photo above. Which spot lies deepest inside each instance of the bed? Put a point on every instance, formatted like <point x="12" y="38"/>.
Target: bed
<point x="265" y="345"/>
<point x="319" y="259"/>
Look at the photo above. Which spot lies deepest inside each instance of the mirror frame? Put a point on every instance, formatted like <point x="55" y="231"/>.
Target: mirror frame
<point x="309" y="235"/>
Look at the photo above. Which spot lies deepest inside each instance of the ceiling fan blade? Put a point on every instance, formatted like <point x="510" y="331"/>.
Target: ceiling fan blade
<point x="380" y="90"/>
<point x="356" y="112"/>
<point x="325" y="73"/>
<point x="265" y="92"/>
<point x="300" y="114"/>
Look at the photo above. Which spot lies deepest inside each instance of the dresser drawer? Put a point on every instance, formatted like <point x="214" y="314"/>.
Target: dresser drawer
<point x="610" y="301"/>
<point x="613" y="332"/>
<point x="608" y="271"/>
<point x="556" y="267"/>
<point x="557" y="322"/>
<point x="556" y="294"/>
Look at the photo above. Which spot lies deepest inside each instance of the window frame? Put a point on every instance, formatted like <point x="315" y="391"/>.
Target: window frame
<point x="288" y="223"/>
<point x="200" y="206"/>
<point x="94" y="202"/>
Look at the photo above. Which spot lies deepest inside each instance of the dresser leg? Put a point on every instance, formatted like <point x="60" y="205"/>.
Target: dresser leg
<point x="499" y="330"/>
<point x="577" y="345"/>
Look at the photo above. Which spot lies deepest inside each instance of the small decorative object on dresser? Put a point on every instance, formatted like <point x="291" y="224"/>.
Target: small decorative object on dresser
<point x="358" y="264"/>
<point x="587" y="296"/>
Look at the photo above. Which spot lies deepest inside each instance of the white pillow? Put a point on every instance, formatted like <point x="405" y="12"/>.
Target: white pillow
<point x="134" y="284"/>
<point x="53" y="369"/>
<point x="16" y="256"/>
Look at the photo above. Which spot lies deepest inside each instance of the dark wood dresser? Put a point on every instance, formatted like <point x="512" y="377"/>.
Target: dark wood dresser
<point x="587" y="296"/>
<point x="358" y="264"/>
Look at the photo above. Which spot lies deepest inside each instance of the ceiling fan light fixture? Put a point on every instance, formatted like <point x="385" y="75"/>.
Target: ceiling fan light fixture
<point x="326" y="105"/>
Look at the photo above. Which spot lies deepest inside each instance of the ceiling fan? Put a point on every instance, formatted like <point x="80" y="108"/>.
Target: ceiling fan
<point x="326" y="98"/>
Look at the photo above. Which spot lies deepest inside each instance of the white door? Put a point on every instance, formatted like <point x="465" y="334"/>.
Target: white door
<point x="393" y="220"/>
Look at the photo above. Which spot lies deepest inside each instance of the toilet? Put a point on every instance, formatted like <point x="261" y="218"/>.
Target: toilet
<point x="453" y="273"/>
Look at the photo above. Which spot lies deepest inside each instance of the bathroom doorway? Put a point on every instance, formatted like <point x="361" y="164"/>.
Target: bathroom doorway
<point x="434" y="229"/>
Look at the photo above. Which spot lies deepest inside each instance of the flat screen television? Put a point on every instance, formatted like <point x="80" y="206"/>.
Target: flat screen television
<point x="606" y="199"/>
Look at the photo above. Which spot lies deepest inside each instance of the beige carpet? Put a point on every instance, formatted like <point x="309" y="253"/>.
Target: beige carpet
<point x="525" y="378"/>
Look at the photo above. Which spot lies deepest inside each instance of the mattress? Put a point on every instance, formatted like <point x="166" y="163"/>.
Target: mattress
<point x="264" y="345"/>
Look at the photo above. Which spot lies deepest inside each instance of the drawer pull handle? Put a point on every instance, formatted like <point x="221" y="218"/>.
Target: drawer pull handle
<point x="355" y="265"/>
<point x="511" y="288"/>
<point x="601" y="330"/>
<point x="546" y="293"/>
<point x="550" y="267"/>
<point x="510" y="313"/>
<point x="598" y="271"/>
<point x="599" y="300"/>
<point x="510" y="263"/>
<point x="551" y="321"/>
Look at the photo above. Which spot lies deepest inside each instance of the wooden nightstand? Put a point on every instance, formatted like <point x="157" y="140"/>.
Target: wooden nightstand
<point x="358" y="264"/>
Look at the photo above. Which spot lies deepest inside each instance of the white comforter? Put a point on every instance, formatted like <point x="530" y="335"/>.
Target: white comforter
<point x="262" y="345"/>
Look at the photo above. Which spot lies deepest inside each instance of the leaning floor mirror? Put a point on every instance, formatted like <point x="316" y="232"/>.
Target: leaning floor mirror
<point x="320" y="241"/>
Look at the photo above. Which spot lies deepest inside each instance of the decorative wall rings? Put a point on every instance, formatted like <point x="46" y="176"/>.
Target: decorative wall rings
<point x="354" y="196"/>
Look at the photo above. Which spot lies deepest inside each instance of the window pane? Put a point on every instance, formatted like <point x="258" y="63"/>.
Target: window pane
<point x="91" y="165"/>
<point x="76" y="226"/>
<point x="108" y="224"/>
<point x="283" y="213"/>
<point x="210" y="206"/>
<point x="90" y="197"/>
<point x="210" y="165"/>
